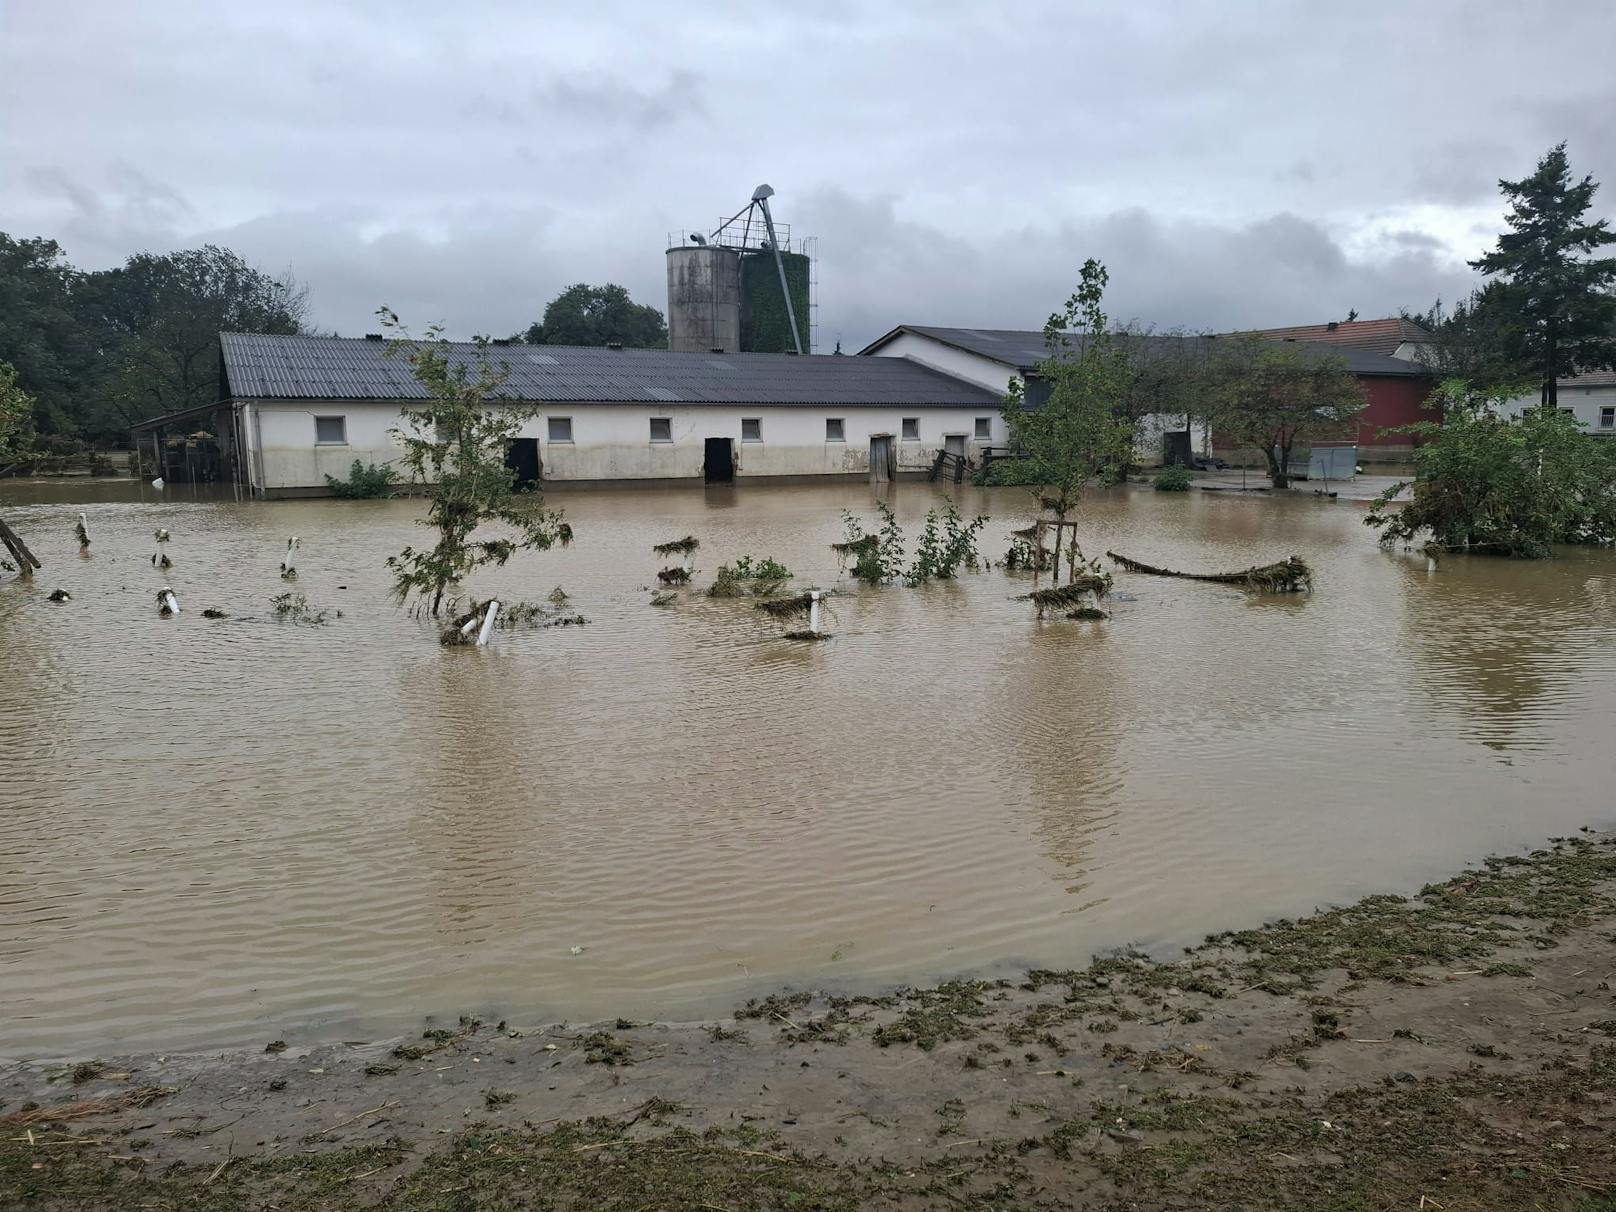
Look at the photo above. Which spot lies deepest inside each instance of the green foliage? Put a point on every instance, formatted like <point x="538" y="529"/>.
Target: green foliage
<point x="99" y="351"/>
<point x="1075" y="434"/>
<point x="946" y="544"/>
<point x="765" y="569"/>
<point x="765" y="326"/>
<point x="364" y="482"/>
<point x="1173" y="479"/>
<point x="593" y="315"/>
<point x="878" y="557"/>
<point x="1269" y="395"/>
<point x="1480" y="340"/>
<point x="455" y="443"/>
<point x="1008" y="473"/>
<point x="16" y="415"/>
<point x="1556" y="295"/>
<point x="1511" y="486"/>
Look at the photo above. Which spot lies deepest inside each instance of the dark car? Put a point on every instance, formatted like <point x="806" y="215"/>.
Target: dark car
<point x="1209" y="463"/>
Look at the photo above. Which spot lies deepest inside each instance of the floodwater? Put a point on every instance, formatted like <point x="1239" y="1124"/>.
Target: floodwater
<point x="218" y="832"/>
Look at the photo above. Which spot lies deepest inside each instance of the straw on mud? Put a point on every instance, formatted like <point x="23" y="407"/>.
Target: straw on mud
<point x="682" y="546"/>
<point x="1285" y="576"/>
<point x="141" y="1096"/>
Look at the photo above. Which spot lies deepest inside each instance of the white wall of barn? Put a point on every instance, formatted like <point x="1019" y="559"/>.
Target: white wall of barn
<point x="613" y="441"/>
<point x="996" y="376"/>
<point x="1594" y="407"/>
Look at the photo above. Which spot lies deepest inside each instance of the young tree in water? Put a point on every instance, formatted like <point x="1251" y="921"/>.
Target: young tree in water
<point x="1559" y="294"/>
<point x="1270" y="394"/>
<point x="16" y="415"/>
<point x="1069" y="428"/>
<point x="454" y="444"/>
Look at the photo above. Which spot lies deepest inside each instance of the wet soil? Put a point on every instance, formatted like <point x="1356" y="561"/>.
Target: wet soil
<point x="1454" y="1049"/>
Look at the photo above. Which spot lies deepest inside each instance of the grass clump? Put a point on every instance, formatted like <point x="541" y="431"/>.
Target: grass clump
<point x="1172" y="479"/>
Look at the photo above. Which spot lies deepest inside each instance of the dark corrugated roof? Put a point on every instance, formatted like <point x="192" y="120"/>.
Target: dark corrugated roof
<point x="1024" y="348"/>
<point x="259" y="367"/>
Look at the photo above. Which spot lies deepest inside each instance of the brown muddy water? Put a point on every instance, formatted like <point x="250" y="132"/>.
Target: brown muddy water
<point x="218" y="832"/>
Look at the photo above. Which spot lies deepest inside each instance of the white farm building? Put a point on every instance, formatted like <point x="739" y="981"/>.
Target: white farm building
<point x="295" y="409"/>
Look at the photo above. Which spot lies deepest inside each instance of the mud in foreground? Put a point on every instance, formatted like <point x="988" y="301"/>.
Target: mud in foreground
<point x="1451" y="1050"/>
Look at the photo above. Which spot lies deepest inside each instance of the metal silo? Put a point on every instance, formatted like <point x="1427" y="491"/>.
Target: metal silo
<point x="704" y="298"/>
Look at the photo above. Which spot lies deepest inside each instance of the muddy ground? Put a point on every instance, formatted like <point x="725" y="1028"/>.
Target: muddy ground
<point x="1452" y="1050"/>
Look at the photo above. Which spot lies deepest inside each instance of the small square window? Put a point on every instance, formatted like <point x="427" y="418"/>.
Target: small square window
<point x="1570" y="412"/>
<point x="330" y="431"/>
<point x="835" y="431"/>
<point x="751" y="429"/>
<point x="911" y="429"/>
<point x="984" y="427"/>
<point x="661" y="429"/>
<point x="1607" y="418"/>
<point x="559" y="429"/>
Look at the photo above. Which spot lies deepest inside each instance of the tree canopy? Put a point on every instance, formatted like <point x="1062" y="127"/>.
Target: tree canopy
<point x="1556" y="302"/>
<point x="593" y="315"/>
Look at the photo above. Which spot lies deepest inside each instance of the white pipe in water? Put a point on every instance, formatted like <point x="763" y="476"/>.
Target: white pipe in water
<point x="289" y="563"/>
<point x="171" y="601"/>
<point x="488" y="624"/>
<point x="813" y="611"/>
<point x="470" y="625"/>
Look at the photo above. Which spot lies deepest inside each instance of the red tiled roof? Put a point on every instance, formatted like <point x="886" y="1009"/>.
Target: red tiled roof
<point x="1374" y="336"/>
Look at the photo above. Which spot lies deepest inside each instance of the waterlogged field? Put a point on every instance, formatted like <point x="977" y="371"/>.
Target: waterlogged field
<point x="214" y="832"/>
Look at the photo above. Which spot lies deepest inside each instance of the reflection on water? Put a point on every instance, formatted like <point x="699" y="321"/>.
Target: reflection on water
<point x="213" y="830"/>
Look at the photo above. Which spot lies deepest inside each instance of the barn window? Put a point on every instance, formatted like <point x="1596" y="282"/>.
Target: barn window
<point x="984" y="427"/>
<point x="835" y="431"/>
<point x="751" y="429"/>
<point x="661" y="429"/>
<point x="559" y="429"/>
<point x="1607" y="418"/>
<point x="911" y="429"/>
<point x="330" y="431"/>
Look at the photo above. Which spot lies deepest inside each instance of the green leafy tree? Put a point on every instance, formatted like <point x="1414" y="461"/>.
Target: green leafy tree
<point x="1270" y="395"/>
<point x="16" y="416"/>
<point x="455" y="444"/>
<point x="40" y="333"/>
<point x="1480" y="340"/>
<point x="1508" y="485"/>
<point x="593" y="315"/>
<point x="158" y="318"/>
<point x="1074" y="433"/>
<point x="1560" y="300"/>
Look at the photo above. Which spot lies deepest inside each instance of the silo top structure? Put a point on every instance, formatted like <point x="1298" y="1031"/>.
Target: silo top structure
<point x="740" y="289"/>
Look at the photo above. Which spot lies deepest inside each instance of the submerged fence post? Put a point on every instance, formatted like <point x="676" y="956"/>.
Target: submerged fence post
<point x="813" y="611"/>
<point x="488" y="624"/>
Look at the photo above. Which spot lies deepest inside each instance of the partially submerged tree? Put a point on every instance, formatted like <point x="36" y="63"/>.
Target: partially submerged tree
<point x="454" y="444"/>
<point x="1270" y="395"/>
<point x="1074" y="433"/>
<point x="1498" y="484"/>
<point x="1559" y="295"/>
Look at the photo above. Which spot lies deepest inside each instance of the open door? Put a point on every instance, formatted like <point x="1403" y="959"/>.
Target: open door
<point x="881" y="469"/>
<point x="954" y="443"/>
<point x="719" y="467"/>
<point x="522" y="457"/>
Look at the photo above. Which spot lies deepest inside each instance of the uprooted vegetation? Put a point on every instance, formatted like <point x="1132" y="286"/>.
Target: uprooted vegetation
<point x="1292" y="575"/>
<point x="749" y="576"/>
<point x="295" y="608"/>
<point x="681" y="547"/>
<point x="512" y="616"/>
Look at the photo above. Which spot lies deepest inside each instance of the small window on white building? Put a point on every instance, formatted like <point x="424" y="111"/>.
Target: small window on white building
<point x="835" y="431"/>
<point x="984" y="427"/>
<point x="911" y="429"/>
<point x="1570" y="412"/>
<point x="661" y="429"/>
<point x="751" y="429"/>
<point x="330" y="431"/>
<point x="559" y="429"/>
<point x="1607" y="418"/>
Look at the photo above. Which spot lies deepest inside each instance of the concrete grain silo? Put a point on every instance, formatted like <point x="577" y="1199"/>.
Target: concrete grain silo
<point x="704" y="299"/>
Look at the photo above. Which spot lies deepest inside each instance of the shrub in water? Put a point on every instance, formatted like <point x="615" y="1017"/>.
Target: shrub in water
<point x="1173" y="479"/>
<point x="363" y="482"/>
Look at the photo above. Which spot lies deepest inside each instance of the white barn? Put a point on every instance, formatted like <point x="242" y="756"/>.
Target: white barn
<point x="295" y="409"/>
<point x="1590" y="398"/>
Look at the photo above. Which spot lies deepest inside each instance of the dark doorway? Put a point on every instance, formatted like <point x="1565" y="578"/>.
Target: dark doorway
<point x="1176" y="450"/>
<point x="881" y="458"/>
<point x="522" y="457"/>
<point x="720" y="465"/>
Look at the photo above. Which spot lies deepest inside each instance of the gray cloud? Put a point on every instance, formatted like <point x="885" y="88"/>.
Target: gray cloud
<point x="1273" y="162"/>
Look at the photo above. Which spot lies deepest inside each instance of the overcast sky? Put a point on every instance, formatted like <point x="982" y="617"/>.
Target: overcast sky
<point x="1233" y="163"/>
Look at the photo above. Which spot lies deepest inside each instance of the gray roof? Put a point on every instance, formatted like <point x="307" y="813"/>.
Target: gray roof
<point x="1024" y="348"/>
<point x="261" y="367"/>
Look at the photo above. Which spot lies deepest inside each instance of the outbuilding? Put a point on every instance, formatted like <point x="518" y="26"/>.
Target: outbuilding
<point x="302" y="408"/>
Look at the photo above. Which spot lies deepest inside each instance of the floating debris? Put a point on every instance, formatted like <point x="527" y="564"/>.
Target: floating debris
<point x="682" y="546"/>
<point x="60" y="595"/>
<point x="167" y="603"/>
<point x="788" y="608"/>
<point x="674" y="576"/>
<point x="1086" y="585"/>
<point x="806" y="635"/>
<point x="294" y="608"/>
<point x="1087" y="612"/>
<point x="665" y="598"/>
<point x="213" y="612"/>
<point x="1286" y="576"/>
<point x="564" y="534"/>
<point x="863" y="545"/>
<point x="82" y="530"/>
<point x="558" y="595"/>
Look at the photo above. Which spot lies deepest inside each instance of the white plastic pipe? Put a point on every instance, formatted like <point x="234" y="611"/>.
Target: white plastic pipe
<point x="289" y="564"/>
<point x="488" y="624"/>
<point x="171" y="601"/>
<point x="470" y="625"/>
<point x="813" y="611"/>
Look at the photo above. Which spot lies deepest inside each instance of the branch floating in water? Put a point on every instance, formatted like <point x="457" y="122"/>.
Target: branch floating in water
<point x="1287" y="576"/>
